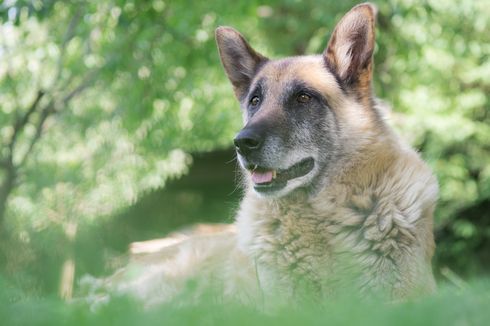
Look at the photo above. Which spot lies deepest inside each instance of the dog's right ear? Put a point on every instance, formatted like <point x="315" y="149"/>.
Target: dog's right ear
<point x="238" y="58"/>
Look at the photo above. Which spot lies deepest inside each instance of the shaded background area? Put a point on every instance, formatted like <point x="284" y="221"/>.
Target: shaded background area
<point x="116" y="120"/>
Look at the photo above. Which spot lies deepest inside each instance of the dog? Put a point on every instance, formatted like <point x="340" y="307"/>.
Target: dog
<point x="333" y="198"/>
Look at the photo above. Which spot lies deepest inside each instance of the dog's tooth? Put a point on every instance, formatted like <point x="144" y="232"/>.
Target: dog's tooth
<point x="255" y="167"/>
<point x="274" y="174"/>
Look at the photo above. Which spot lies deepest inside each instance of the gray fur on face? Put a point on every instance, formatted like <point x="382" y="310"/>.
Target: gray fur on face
<point x="292" y="131"/>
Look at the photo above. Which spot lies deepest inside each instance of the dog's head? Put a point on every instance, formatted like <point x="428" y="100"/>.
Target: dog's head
<point x="301" y="114"/>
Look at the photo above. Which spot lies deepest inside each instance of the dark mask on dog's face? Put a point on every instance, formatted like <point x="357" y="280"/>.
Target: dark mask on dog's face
<point x="294" y="124"/>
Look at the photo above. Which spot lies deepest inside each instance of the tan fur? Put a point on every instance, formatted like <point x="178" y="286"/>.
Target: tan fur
<point x="368" y="228"/>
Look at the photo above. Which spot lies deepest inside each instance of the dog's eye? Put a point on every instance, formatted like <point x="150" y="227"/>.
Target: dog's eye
<point x="255" y="101"/>
<point x="303" y="98"/>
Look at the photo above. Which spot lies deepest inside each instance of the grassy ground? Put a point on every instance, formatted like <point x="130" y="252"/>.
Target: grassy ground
<point x="450" y="306"/>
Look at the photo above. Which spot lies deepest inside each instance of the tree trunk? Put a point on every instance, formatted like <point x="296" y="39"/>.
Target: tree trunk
<point x="68" y="268"/>
<point x="6" y="189"/>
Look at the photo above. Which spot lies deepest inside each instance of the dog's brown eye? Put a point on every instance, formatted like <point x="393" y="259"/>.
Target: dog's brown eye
<point x="303" y="98"/>
<point x="255" y="101"/>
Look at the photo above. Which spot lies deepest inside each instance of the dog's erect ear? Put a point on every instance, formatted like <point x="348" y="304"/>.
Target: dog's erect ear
<point x="239" y="59"/>
<point x="350" y="49"/>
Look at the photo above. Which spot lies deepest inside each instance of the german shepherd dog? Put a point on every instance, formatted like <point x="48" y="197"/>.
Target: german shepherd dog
<point x="326" y="176"/>
<point x="333" y="199"/>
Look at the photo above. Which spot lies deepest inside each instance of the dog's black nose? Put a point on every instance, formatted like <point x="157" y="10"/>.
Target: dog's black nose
<point x="247" y="141"/>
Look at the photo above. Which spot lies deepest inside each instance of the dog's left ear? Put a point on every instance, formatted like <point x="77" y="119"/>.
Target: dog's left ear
<point x="350" y="49"/>
<point x="239" y="59"/>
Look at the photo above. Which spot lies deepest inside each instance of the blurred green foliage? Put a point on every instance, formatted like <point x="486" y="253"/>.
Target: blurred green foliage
<point x="104" y="101"/>
<point x="450" y="306"/>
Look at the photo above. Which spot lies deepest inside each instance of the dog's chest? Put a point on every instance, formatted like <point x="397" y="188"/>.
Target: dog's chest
<point x="293" y="243"/>
<point x="310" y="245"/>
<point x="290" y="246"/>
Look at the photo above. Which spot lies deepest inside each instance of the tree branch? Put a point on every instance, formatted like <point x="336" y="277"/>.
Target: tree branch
<point x="45" y="113"/>
<point x="86" y="82"/>
<point x="22" y="121"/>
<point x="50" y="109"/>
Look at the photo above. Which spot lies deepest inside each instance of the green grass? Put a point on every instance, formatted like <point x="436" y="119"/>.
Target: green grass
<point x="450" y="306"/>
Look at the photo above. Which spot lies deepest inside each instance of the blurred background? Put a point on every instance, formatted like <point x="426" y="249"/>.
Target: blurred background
<point x="116" y="121"/>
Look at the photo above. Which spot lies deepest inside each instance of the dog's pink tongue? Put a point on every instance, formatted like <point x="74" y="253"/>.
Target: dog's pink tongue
<point x="261" y="177"/>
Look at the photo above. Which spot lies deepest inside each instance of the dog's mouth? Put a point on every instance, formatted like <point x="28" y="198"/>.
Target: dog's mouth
<point x="268" y="180"/>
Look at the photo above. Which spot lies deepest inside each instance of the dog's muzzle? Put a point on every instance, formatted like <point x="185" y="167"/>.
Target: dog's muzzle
<point x="265" y="177"/>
